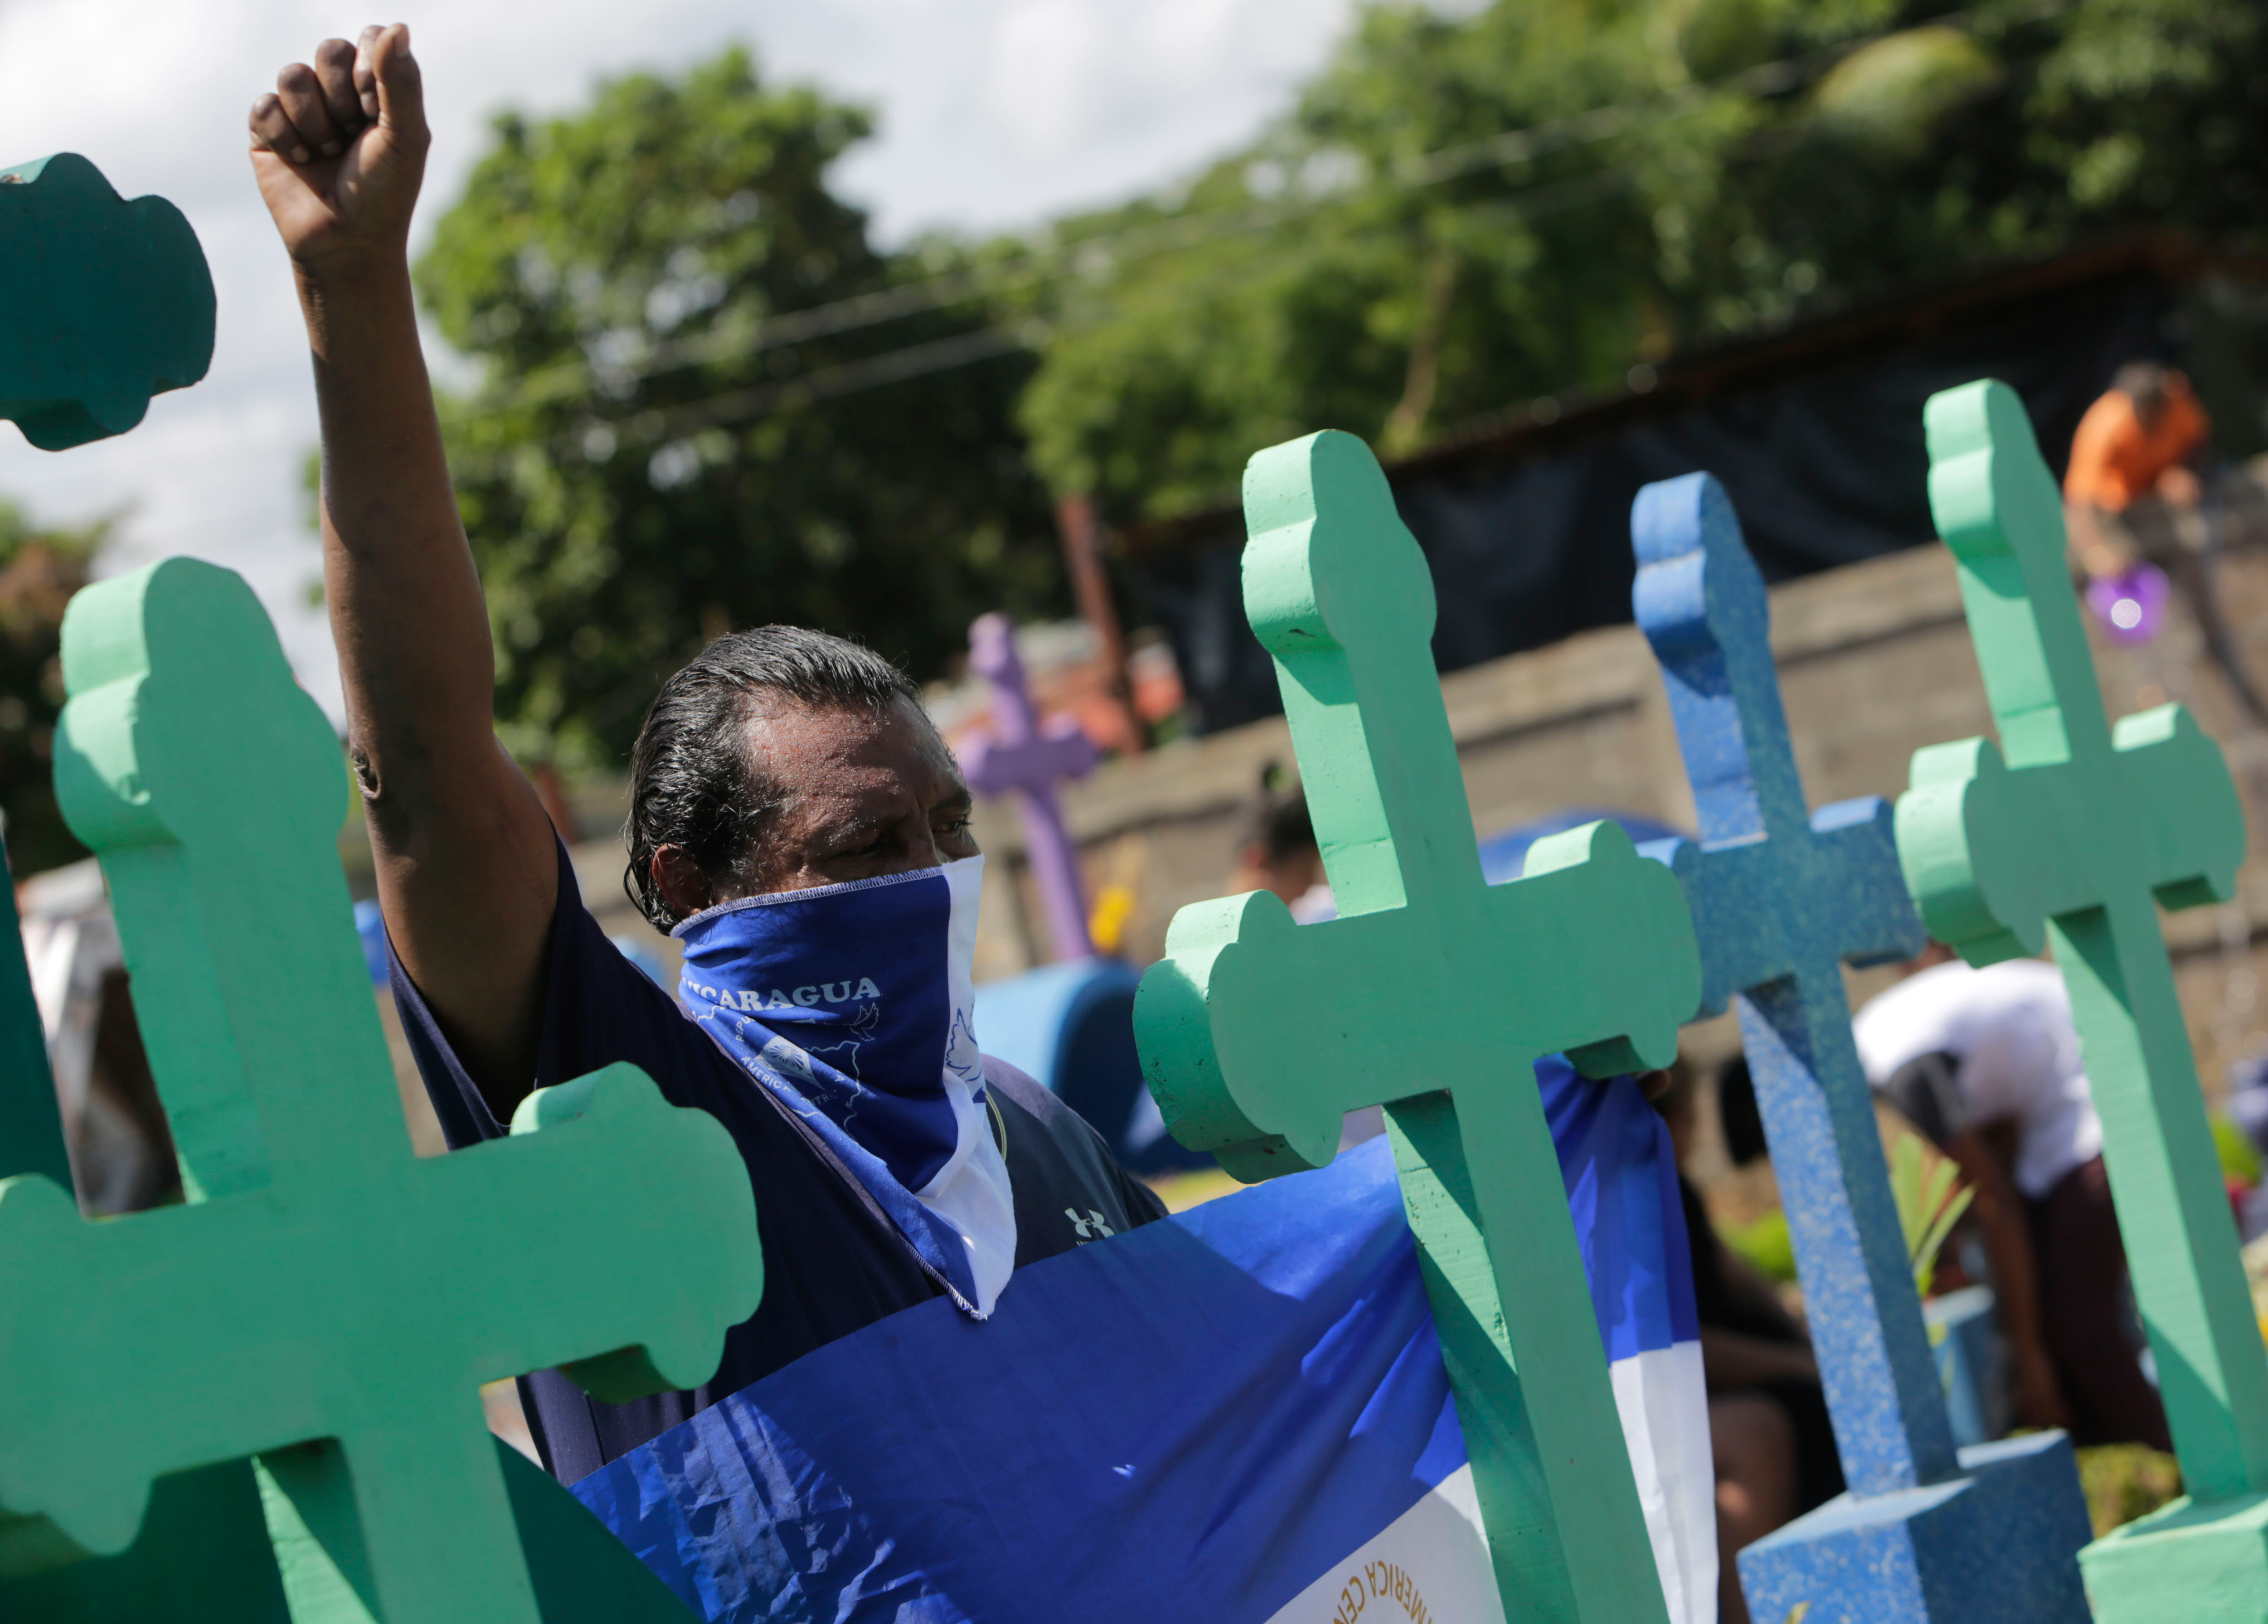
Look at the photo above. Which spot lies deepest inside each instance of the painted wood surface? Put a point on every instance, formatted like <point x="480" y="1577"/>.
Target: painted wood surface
<point x="1781" y="899"/>
<point x="326" y="1301"/>
<point x="108" y="303"/>
<point x="1431" y="994"/>
<point x="2064" y="835"/>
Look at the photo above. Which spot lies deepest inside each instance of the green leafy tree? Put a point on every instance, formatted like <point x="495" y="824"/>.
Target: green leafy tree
<point x="40" y="567"/>
<point x="649" y="461"/>
<point x="1464" y="216"/>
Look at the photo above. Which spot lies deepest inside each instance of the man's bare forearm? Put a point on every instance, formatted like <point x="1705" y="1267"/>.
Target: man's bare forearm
<point x="466" y="870"/>
<point x="405" y="603"/>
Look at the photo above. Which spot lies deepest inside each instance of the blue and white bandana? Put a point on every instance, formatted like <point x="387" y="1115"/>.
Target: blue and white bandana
<point x="853" y="1003"/>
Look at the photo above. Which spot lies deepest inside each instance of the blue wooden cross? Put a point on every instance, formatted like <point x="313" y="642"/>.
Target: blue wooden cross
<point x="1778" y="897"/>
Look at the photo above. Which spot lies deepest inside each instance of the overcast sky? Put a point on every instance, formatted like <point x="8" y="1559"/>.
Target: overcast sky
<point x="992" y="113"/>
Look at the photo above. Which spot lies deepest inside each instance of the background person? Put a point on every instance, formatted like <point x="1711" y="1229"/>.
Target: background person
<point x="1986" y="1065"/>
<point x="795" y="820"/>
<point x="2131" y="489"/>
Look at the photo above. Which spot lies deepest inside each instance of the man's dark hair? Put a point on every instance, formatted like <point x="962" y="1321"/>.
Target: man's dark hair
<point x="693" y="782"/>
<point x="2145" y="383"/>
<point x="1278" y="820"/>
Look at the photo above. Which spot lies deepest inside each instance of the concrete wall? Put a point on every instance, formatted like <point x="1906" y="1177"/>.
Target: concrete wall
<point x="1876" y="662"/>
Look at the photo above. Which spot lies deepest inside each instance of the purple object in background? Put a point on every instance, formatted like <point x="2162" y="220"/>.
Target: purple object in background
<point x="2132" y="607"/>
<point x="1021" y="758"/>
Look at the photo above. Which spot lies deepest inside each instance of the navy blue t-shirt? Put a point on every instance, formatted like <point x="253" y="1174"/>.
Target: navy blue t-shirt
<point x="832" y="1260"/>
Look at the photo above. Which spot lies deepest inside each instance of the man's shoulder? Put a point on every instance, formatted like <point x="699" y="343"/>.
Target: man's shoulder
<point x="1049" y="1129"/>
<point x="1070" y="1133"/>
<point x="1014" y="1083"/>
<point x="1069" y="1187"/>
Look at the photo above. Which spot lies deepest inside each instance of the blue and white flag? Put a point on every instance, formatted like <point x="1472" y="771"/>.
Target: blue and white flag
<point x="1240" y="1416"/>
<point x="1622" y="1191"/>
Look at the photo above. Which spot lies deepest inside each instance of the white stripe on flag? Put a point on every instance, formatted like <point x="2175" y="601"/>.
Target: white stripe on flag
<point x="1665" y="1409"/>
<point x="1431" y="1563"/>
<point x="1433" y="1560"/>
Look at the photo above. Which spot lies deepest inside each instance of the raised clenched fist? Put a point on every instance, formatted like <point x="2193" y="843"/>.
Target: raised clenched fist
<point x="338" y="149"/>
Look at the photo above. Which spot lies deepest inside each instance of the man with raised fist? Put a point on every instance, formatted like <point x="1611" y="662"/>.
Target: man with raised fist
<point x="796" y="821"/>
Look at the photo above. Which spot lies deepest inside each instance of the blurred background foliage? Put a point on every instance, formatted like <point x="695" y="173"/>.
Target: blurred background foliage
<point x="708" y="398"/>
<point x="1690" y="170"/>
<point x="39" y="569"/>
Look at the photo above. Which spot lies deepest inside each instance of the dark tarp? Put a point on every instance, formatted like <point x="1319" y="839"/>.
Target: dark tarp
<point x="1823" y="455"/>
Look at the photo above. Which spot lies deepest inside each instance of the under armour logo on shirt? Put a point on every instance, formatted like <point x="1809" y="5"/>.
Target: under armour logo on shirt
<point x="1092" y="1227"/>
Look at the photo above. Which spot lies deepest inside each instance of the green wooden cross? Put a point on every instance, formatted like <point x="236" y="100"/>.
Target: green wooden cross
<point x="1431" y="994"/>
<point x="204" y="1555"/>
<point x="327" y="1301"/>
<point x="2067" y="831"/>
<point x="111" y="302"/>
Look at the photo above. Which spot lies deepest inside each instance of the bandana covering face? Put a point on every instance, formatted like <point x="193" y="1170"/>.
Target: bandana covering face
<point x="852" y="1003"/>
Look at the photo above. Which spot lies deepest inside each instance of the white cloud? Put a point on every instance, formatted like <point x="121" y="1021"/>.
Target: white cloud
<point x="1045" y="85"/>
<point x="994" y="113"/>
<point x="1094" y="100"/>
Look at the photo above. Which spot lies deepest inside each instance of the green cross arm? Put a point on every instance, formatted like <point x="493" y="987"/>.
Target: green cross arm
<point x="1390" y="1005"/>
<point x="259" y="1309"/>
<point x="1996" y="855"/>
<point x="2065" y="832"/>
<point x="110" y="302"/>
<point x="1257" y="1035"/>
<point x="328" y="1300"/>
<point x="1591" y="952"/>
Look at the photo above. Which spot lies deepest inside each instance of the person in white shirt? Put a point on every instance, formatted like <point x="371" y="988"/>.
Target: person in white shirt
<point x="1986" y="1064"/>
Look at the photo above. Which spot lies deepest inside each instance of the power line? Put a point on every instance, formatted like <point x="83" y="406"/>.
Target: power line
<point x="1183" y="231"/>
<point x="659" y="426"/>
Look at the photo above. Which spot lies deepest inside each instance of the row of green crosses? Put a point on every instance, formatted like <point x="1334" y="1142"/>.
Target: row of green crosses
<point x="1433" y="992"/>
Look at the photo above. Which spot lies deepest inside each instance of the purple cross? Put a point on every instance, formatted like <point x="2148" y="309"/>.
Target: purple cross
<point x="1023" y="758"/>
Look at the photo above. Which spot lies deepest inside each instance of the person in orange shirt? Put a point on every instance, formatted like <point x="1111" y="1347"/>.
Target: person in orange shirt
<point x="2131" y="491"/>
<point x="2137" y="441"/>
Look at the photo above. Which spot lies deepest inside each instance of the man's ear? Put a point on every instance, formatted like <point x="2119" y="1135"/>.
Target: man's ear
<point x="680" y="881"/>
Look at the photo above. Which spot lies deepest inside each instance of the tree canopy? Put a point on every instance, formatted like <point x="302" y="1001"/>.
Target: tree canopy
<point x="708" y="398"/>
<point x="642" y="467"/>
<point x="1461" y="216"/>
